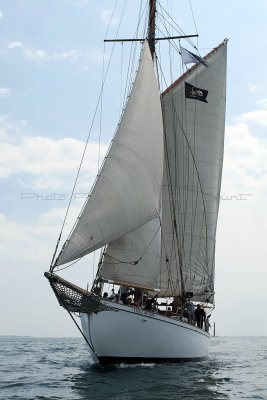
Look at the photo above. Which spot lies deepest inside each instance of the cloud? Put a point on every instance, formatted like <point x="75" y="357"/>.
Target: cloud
<point x="10" y="131"/>
<point x="252" y="88"/>
<point x="40" y="235"/>
<point x="51" y="163"/>
<point x="43" y="55"/>
<point x="26" y="238"/>
<point x="27" y="250"/>
<point x="242" y="224"/>
<point x="106" y="16"/>
<point x="245" y="166"/>
<point x="245" y="156"/>
<point x="66" y="54"/>
<point x="99" y="56"/>
<point x="258" y="117"/>
<point x="1" y="15"/>
<point x="4" y="127"/>
<point x="36" y="54"/>
<point x="245" y="172"/>
<point x="81" y="3"/>
<point x="13" y="45"/>
<point x="44" y="163"/>
<point x="4" y="92"/>
<point x="262" y="103"/>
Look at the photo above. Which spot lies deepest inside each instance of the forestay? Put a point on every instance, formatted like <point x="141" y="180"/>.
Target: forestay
<point x="126" y="193"/>
<point x="194" y="144"/>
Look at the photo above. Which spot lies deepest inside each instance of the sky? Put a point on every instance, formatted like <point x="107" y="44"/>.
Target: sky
<point x="51" y="71"/>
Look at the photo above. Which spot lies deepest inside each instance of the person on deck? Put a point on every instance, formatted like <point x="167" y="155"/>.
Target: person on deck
<point x="112" y="296"/>
<point x="124" y="292"/>
<point x="144" y="301"/>
<point x="138" y="303"/>
<point x="207" y="323"/>
<point x="129" y="303"/>
<point x="117" y="299"/>
<point x="200" y="316"/>
<point x="150" y="305"/>
<point x="137" y="294"/>
<point x="190" y="308"/>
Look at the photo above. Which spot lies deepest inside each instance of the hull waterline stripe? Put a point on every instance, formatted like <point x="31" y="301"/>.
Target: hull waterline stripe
<point x="138" y="360"/>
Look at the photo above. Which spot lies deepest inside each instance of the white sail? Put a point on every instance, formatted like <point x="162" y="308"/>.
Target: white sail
<point x="126" y="193"/>
<point x="194" y="144"/>
<point x="135" y="257"/>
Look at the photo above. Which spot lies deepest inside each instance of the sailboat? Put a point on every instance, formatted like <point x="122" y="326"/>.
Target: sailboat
<point x="153" y="210"/>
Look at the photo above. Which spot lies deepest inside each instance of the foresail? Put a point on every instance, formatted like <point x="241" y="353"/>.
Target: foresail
<point x="126" y="193"/>
<point x="135" y="257"/>
<point x="194" y="145"/>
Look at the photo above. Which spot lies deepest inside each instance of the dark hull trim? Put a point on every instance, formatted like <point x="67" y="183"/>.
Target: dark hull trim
<point x="140" y="360"/>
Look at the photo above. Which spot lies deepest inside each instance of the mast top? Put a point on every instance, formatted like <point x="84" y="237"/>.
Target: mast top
<point x="152" y="27"/>
<point x="151" y="31"/>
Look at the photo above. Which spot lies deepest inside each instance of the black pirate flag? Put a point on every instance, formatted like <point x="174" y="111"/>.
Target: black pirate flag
<point x="192" y="92"/>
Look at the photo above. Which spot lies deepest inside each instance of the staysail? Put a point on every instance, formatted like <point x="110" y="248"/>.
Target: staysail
<point x="194" y="145"/>
<point x="126" y="193"/>
<point x="134" y="258"/>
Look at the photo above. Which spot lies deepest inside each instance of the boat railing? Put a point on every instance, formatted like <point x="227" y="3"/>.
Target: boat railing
<point x="170" y="314"/>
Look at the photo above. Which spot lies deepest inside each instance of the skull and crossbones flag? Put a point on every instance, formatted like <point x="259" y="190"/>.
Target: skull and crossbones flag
<point x="192" y="92"/>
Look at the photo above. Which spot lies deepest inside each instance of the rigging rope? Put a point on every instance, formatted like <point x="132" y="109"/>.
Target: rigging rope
<point x="132" y="58"/>
<point x="102" y="85"/>
<point x="139" y="259"/>
<point x="176" y="26"/>
<point x="168" y="258"/>
<point x="176" y="194"/>
<point x="193" y="18"/>
<point x="121" y="105"/>
<point x="67" y="266"/>
<point x="85" y="338"/>
<point x="87" y="141"/>
<point x="172" y="195"/>
<point x="186" y="196"/>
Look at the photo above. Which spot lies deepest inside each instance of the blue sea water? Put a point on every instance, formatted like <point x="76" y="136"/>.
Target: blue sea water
<point x="61" y="368"/>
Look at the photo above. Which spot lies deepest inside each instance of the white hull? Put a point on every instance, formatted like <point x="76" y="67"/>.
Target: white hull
<point x="132" y="335"/>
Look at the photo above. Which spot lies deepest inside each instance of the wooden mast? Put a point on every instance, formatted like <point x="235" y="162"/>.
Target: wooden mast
<point x="152" y="27"/>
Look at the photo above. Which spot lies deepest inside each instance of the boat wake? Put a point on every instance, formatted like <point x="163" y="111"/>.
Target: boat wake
<point x="142" y="365"/>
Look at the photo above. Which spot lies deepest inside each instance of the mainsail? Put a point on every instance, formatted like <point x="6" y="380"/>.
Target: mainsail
<point x="194" y="145"/>
<point x="126" y="194"/>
